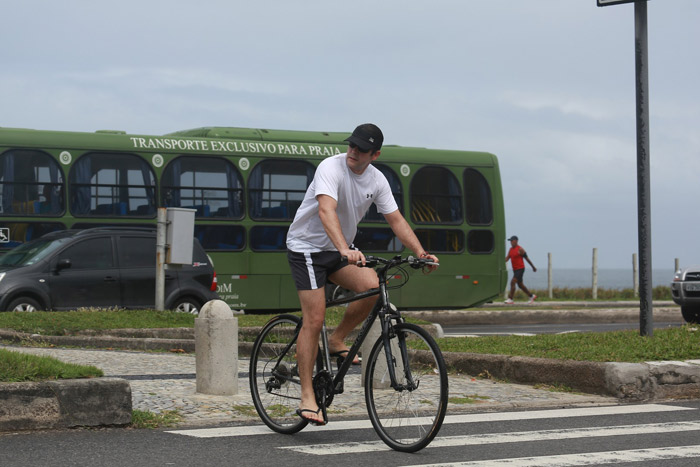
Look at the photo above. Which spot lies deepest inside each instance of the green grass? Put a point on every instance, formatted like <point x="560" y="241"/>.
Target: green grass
<point x="54" y="323"/>
<point x="66" y="323"/>
<point x="661" y="292"/>
<point x="20" y="367"/>
<point x="681" y="343"/>
<point x="145" y="419"/>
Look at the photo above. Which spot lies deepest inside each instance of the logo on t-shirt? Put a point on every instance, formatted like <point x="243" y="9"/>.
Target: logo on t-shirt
<point x="369" y="195"/>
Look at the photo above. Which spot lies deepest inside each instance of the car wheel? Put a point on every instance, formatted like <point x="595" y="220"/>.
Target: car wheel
<point x="24" y="304"/>
<point x="691" y="314"/>
<point x="187" y="305"/>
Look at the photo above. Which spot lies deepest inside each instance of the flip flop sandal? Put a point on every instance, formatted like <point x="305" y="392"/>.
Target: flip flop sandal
<point x="300" y="412"/>
<point x="343" y="354"/>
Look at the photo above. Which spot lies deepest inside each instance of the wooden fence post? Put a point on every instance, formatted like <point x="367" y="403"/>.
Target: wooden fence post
<point x="594" y="286"/>
<point x="549" y="275"/>
<point x="635" y="275"/>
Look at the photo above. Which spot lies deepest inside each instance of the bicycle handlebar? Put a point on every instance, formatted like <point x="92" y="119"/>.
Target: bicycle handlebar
<point x="374" y="261"/>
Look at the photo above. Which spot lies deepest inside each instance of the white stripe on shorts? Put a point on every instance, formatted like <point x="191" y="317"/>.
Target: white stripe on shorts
<point x="310" y="268"/>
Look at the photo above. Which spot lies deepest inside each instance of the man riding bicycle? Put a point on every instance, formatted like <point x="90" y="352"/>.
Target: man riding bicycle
<point x="343" y="189"/>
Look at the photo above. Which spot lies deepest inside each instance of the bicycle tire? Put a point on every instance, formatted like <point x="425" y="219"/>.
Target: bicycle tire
<point x="276" y="398"/>
<point x="407" y="420"/>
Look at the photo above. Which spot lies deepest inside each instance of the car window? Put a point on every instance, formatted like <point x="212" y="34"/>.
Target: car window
<point x="31" y="252"/>
<point x="137" y="252"/>
<point x="93" y="253"/>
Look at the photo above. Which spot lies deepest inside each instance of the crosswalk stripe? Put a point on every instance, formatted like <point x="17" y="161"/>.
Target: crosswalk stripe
<point x="588" y="458"/>
<point x="450" y="419"/>
<point x="500" y="438"/>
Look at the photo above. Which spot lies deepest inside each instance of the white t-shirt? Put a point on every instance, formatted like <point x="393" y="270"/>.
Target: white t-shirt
<point x="354" y="194"/>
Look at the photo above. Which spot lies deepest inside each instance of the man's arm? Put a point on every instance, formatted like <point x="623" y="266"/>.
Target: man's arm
<point x="405" y="233"/>
<point x="329" y="217"/>
<point x="524" y="255"/>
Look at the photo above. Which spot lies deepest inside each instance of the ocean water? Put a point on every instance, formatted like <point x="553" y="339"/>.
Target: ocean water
<point x="583" y="278"/>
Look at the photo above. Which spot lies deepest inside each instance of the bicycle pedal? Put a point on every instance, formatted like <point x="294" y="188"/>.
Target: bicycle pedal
<point x="340" y="387"/>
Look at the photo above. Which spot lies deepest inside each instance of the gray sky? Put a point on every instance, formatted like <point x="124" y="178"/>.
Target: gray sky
<point x="546" y="85"/>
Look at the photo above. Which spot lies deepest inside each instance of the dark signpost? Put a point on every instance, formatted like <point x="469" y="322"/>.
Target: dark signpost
<point x="646" y="316"/>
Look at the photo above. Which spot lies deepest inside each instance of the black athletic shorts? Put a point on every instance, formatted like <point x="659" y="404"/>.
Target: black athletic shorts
<point x="518" y="274"/>
<point x="311" y="270"/>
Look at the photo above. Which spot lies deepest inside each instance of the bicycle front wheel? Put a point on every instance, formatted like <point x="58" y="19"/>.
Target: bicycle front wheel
<point x="273" y="376"/>
<point x="407" y="417"/>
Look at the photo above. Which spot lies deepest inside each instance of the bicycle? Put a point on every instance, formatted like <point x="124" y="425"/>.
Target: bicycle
<point x="405" y="380"/>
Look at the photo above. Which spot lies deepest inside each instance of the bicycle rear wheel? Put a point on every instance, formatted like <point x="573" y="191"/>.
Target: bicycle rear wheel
<point x="408" y="418"/>
<point x="273" y="376"/>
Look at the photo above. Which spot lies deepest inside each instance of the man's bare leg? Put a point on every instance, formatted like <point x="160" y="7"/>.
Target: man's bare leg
<point x="357" y="280"/>
<point x="313" y="306"/>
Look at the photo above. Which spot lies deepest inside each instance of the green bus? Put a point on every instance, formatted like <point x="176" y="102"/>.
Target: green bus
<point x="245" y="186"/>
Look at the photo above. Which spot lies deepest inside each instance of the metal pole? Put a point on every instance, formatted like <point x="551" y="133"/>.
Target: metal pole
<point x="646" y="318"/>
<point x="160" y="258"/>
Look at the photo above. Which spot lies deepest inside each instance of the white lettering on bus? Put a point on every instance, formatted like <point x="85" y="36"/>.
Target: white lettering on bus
<point x="248" y="147"/>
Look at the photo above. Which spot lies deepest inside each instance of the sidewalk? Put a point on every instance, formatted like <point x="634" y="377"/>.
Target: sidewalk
<point x="163" y="381"/>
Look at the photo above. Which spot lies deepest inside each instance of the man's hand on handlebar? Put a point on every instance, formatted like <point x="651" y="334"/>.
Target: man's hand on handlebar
<point x="432" y="258"/>
<point x="354" y="256"/>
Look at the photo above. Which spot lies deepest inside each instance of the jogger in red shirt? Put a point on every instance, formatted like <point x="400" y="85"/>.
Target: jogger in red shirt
<point x="516" y="255"/>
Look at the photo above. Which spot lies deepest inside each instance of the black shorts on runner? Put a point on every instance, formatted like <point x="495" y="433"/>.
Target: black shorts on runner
<point x="518" y="274"/>
<point x="311" y="270"/>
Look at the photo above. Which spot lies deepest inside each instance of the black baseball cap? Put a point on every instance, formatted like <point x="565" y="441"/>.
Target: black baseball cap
<point x="367" y="137"/>
<point x="514" y="237"/>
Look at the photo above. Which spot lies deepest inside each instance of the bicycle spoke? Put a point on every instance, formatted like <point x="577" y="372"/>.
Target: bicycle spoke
<point x="274" y="382"/>
<point x="407" y="419"/>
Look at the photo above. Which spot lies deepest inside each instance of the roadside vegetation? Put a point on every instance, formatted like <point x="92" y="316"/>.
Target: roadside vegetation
<point x="20" y="367"/>
<point x="62" y="323"/>
<point x="681" y="343"/>
<point x="661" y="292"/>
<point x="146" y="419"/>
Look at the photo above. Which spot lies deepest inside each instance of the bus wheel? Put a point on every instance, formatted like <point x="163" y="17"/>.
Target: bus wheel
<point x="187" y="305"/>
<point x="24" y="304"/>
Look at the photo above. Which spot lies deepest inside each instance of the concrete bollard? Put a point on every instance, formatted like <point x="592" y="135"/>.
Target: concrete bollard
<point x="374" y="333"/>
<point x="216" y="349"/>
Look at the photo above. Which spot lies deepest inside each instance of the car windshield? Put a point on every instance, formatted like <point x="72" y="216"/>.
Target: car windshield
<point x="31" y="252"/>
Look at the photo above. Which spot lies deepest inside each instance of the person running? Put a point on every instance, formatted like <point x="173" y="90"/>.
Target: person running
<point x="343" y="188"/>
<point x="516" y="254"/>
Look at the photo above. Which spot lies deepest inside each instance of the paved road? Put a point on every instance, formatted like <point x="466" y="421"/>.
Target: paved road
<point x="662" y="434"/>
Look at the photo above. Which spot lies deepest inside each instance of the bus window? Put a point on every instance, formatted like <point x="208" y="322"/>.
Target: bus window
<point x="13" y="234"/>
<point x="213" y="186"/>
<point x="277" y="187"/>
<point x="31" y="183"/>
<point x="112" y="185"/>
<point x="268" y="238"/>
<point x="395" y="184"/>
<point x="436" y="197"/>
<point x="220" y="237"/>
<point x="478" y="198"/>
<point x="377" y="239"/>
<point x="441" y="241"/>
<point x="480" y="242"/>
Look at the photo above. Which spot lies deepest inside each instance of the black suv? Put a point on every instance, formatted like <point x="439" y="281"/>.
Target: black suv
<point x="102" y="268"/>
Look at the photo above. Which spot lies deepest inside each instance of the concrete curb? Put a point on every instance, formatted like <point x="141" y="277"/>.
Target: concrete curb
<point x="65" y="404"/>
<point x="625" y="381"/>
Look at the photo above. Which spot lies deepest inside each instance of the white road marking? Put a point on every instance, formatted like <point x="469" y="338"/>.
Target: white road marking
<point x="587" y="458"/>
<point x="450" y="419"/>
<point x="501" y="438"/>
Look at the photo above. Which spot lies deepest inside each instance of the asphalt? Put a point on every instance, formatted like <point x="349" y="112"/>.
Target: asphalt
<point x="137" y="378"/>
